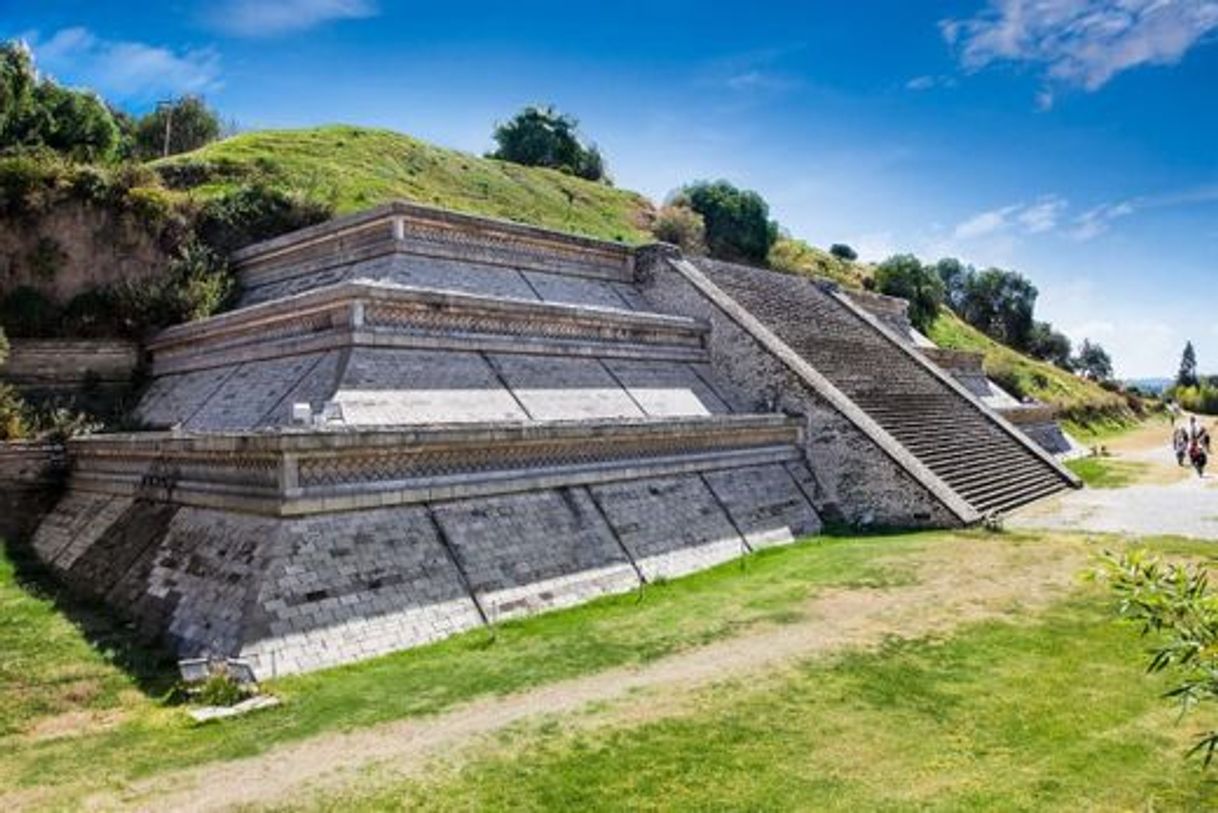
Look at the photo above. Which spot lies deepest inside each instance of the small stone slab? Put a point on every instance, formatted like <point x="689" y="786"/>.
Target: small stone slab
<point x="206" y="714"/>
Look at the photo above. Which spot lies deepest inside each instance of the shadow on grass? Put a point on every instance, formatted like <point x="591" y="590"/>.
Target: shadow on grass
<point x="152" y="667"/>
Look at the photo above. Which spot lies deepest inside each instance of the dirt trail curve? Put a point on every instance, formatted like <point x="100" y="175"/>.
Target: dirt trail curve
<point x="955" y="583"/>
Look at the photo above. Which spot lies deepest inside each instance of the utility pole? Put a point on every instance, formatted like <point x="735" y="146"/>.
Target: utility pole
<point x="167" y="105"/>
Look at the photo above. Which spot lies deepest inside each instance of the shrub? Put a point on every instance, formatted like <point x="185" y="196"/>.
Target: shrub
<point x="255" y="212"/>
<point x="682" y="227"/>
<point x="1005" y="375"/>
<point x="544" y="137"/>
<point x="843" y="252"/>
<point x="905" y="276"/>
<point x="3" y="346"/>
<point x="738" y="225"/>
<point x="13" y="424"/>
<point x="189" y="122"/>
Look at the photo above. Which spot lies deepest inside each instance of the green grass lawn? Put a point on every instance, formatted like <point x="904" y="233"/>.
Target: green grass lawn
<point x="1104" y="472"/>
<point x="1053" y="714"/>
<point x="84" y="711"/>
<point x="148" y="736"/>
<point x="355" y="168"/>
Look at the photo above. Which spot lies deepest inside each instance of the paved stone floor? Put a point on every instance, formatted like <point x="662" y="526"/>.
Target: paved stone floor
<point x="1170" y="500"/>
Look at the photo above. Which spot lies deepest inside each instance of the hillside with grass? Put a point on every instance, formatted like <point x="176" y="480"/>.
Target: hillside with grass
<point x="352" y="168"/>
<point x="1081" y="402"/>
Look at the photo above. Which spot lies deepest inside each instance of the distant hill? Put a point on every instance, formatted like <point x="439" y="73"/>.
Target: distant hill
<point x="355" y="168"/>
<point x="1151" y="385"/>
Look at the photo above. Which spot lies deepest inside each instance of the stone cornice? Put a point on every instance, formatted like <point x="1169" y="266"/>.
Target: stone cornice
<point x="406" y="228"/>
<point x="297" y="472"/>
<point x="371" y="314"/>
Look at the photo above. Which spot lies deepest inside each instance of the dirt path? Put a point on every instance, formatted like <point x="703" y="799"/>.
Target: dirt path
<point x="1166" y="499"/>
<point x="955" y="583"/>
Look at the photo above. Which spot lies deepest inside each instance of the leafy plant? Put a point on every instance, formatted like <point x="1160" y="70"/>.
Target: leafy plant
<point x="220" y="689"/>
<point x="544" y="137"/>
<point x="738" y="225"/>
<point x="1174" y="603"/>
<point x="905" y="276"/>
<point x="682" y="227"/>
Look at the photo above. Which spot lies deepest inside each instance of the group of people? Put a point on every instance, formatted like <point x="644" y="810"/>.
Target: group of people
<point x="1192" y="444"/>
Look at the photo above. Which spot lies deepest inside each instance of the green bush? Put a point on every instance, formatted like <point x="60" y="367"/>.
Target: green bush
<point x="1202" y="398"/>
<point x="738" y="225"/>
<point x="905" y="276"/>
<point x="13" y="424"/>
<point x="544" y="137"/>
<point x="255" y="212"/>
<point x="681" y="226"/>
<point x="1008" y="377"/>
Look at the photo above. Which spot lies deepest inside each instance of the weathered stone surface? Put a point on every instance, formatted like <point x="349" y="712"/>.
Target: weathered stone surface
<point x="666" y="388"/>
<point x="765" y="504"/>
<point x="553" y="388"/>
<point x="670" y="525"/>
<point x="396" y="387"/>
<point x="32" y="476"/>
<point x="248" y="397"/>
<point x="528" y="552"/>
<point x="174" y="399"/>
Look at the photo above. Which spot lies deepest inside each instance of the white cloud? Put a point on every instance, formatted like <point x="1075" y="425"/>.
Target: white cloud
<point x="759" y="80"/>
<point x="1041" y="216"/>
<point x="929" y="82"/>
<point x="1033" y="218"/>
<point x="268" y="18"/>
<point x="122" y="69"/>
<point x="1081" y="43"/>
<point x="984" y="223"/>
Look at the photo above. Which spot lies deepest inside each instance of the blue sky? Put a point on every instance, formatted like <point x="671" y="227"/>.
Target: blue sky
<point x="1073" y="140"/>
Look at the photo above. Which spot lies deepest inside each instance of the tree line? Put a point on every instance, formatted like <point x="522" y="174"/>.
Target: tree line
<point x="37" y="112"/>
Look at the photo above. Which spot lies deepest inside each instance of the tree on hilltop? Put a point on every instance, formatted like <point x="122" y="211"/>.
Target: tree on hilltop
<point x="1093" y="362"/>
<point x="843" y="252"/>
<point x="38" y="112"/>
<point x="738" y="225"/>
<point x="905" y="276"/>
<point x="1187" y="376"/>
<point x="544" y="137"/>
<point x="181" y="126"/>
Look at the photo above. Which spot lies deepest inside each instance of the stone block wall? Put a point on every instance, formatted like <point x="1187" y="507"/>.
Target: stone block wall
<point x="294" y="594"/>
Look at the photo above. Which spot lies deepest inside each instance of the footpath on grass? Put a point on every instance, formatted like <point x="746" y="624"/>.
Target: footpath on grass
<point x="1154" y="494"/>
<point x="955" y="581"/>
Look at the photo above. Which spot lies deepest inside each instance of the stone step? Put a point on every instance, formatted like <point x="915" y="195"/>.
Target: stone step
<point x="1010" y="502"/>
<point x="984" y="492"/>
<point x="968" y="473"/>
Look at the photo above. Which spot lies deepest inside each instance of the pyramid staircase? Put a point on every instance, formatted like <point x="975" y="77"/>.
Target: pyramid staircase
<point x="985" y="460"/>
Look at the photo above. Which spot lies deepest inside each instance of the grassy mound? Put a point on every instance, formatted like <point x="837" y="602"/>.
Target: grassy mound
<point x="354" y="168"/>
<point x="1079" y="400"/>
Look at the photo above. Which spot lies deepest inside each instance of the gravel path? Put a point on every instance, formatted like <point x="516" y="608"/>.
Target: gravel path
<point x="1170" y="501"/>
